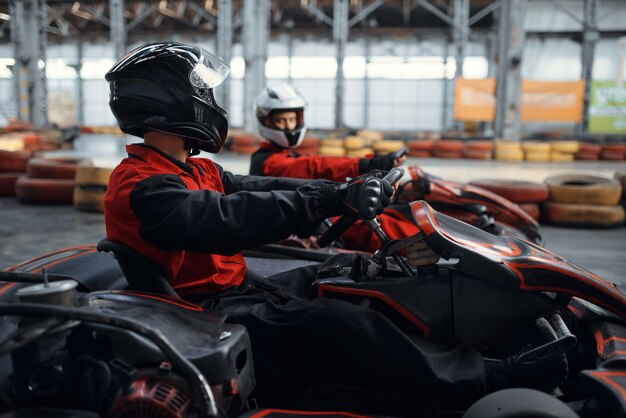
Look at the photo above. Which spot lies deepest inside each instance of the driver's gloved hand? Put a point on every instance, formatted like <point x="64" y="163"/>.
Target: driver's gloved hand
<point x="363" y="197"/>
<point x="383" y="162"/>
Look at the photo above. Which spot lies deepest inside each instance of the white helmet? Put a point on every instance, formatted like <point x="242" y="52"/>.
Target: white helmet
<point x="280" y="98"/>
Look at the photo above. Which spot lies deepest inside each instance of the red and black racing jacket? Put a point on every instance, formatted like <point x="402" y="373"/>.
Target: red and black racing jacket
<point x="194" y="218"/>
<point x="271" y="160"/>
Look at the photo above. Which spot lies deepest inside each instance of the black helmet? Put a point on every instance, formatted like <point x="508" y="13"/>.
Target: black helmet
<point x="168" y="87"/>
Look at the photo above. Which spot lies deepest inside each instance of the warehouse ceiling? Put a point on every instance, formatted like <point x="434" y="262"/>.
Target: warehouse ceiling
<point x="89" y="19"/>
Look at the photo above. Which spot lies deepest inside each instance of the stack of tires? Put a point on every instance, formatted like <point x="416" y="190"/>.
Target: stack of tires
<point x="588" y="151"/>
<point x="332" y="147"/>
<point x="421" y="148"/>
<point x="478" y="150"/>
<point x="448" y="148"/>
<point x="564" y="150"/>
<point x="355" y="146"/>
<point x="508" y="151"/>
<point x="91" y="183"/>
<point x="388" y="145"/>
<point x="12" y="166"/>
<point x="536" y="151"/>
<point x="613" y="152"/>
<point x="528" y="195"/>
<point x="583" y="200"/>
<point x="47" y="181"/>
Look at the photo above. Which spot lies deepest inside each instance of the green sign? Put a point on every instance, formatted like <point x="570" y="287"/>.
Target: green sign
<point x="607" y="107"/>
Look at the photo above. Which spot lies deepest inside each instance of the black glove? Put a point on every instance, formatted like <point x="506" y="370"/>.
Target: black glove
<point x="363" y="197"/>
<point x="381" y="162"/>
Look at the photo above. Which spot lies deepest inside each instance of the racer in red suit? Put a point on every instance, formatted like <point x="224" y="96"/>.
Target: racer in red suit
<point x="279" y="114"/>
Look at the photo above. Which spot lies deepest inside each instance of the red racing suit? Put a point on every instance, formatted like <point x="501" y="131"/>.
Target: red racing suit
<point x="153" y="199"/>
<point x="271" y="160"/>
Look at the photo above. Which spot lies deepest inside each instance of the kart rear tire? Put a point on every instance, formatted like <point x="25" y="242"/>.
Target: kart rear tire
<point x="519" y="402"/>
<point x="583" y="189"/>
<point x="516" y="191"/>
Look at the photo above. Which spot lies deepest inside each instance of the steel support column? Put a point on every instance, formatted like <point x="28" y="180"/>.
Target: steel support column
<point x="590" y="37"/>
<point x="446" y="120"/>
<point x="256" y="15"/>
<point x="224" y="47"/>
<point x="340" y="37"/>
<point x="118" y="27"/>
<point x="511" y="38"/>
<point x="460" y="36"/>
<point x="80" y="94"/>
<point x="28" y="34"/>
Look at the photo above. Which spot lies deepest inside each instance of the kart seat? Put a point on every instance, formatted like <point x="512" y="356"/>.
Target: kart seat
<point x="141" y="273"/>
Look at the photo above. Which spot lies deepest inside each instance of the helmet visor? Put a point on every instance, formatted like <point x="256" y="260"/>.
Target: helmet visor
<point x="208" y="73"/>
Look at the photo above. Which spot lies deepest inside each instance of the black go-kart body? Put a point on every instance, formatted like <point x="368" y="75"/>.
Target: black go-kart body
<point x="91" y="359"/>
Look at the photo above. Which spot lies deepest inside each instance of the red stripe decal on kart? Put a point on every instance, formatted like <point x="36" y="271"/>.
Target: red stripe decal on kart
<point x="615" y="353"/>
<point x="82" y="248"/>
<point x="166" y="299"/>
<point x="6" y="286"/>
<point x="372" y="293"/>
<point x="287" y="412"/>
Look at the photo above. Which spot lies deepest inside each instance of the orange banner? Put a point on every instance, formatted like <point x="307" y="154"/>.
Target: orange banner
<point x="542" y="101"/>
<point x="475" y="99"/>
<point x="552" y="101"/>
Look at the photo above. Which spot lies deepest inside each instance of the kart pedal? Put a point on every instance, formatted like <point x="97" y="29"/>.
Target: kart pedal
<point x="562" y="341"/>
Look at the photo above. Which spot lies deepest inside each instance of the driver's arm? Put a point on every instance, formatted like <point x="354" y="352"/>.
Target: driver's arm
<point x="236" y="183"/>
<point x="172" y="216"/>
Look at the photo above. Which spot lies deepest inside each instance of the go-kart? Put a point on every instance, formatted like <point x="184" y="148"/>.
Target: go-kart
<point x="471" y="204"/>
<point x="101" y="333"/>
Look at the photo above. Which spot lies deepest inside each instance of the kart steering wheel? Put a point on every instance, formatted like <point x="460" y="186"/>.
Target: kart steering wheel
<point x="346" y="221"/>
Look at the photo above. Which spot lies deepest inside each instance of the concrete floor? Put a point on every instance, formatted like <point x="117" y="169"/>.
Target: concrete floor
<point x="27" y="231"/>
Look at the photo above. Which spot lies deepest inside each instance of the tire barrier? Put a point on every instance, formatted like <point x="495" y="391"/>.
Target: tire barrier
<point x="90" y="187"/>
<point x="44" y="191"/>
<point x="537" y="156"/>
<point x="360" y="153"/>
<point x="476" y="154"/>
<point x="14" y="161"/>
<point x="581" y="215"/>
<point x="52" y="168"/>
<point x="561" y="157"/>
<point x="613" y="152"/>
<point x="516" y="191"/>
<point x="7" y="183"/>
<point x="353" y="143"/>
<point x="565" y="147"/>
<point x="583" y="189"/>
<point x="332" y="151"/>
<point x="420" y="148"/>
<point x="387" y="146"/>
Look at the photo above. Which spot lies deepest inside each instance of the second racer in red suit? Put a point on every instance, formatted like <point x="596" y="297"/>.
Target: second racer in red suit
<point x="279" y="114"/>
